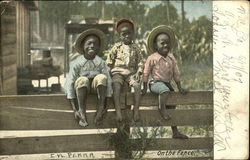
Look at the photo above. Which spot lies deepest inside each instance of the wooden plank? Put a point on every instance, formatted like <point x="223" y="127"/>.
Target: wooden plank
<point x="173" y="144"/>
<point x="9" y="71"/>
<point x="191" y="158"/>
<point x="179" y="117"/>
<point x="9" y="59"/>
<point x="52" y="101"/>
<point x="10" y="85"/>
<point x="60" y="102"/>
<point x="54" y="144"/>
<point x="8" y="18"/>
<point x="8" y="28"/>
<point x="175" y="98"/>
<point x="8" y="39"/>
<point x="8" y="49"/>
<point x="30" y="119"/>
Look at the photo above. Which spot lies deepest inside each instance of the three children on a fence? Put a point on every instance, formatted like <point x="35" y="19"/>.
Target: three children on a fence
<point x="89" y="73"/>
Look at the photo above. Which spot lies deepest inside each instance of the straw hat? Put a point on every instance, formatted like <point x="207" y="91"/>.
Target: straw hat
<point x="83" y="35"/>
<point x="156" y="31"/>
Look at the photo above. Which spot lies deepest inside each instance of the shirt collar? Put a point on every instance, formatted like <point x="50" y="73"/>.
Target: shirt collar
<point x="96" y="60"/>
<point x="158" y="56"/>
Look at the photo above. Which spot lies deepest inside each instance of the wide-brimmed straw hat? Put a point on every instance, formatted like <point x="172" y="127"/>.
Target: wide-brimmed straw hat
<point x="155" y="32"/>
<point x="124" y="20"/>
<point x="83" y="35"/>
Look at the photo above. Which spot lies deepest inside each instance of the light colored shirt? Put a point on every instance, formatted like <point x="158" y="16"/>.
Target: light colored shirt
<point x="87" y="68"/>
<point x="161" y="68"/>
<point x="127" y="57"/>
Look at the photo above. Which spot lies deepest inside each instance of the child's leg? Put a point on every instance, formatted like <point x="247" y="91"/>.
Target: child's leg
<point x="100" y="83"/>
<point x="162" y="104"/>
<point x="81" y="87"/>
<point x="176" y="133"/>
<point x="81" y="98"/>
<point x="116" y="96"/>
<point x="162" y="90"/>
<point x="137" y="97"/>
<point x="118" y="81"/>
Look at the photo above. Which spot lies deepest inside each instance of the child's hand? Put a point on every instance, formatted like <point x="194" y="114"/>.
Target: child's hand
<point x="138" y="75"/>
<point x="183" y="90"/>
<point x="112" y="56"/>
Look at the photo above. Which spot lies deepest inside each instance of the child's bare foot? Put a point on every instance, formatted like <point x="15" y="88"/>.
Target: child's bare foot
<point x="164" y="114"/>
<point x="136" y="116"/>
<point x="83" y="122"/>
<point x="98" y="117"/>
<point x="179" y="135"/>
<point x="76" y="115"/>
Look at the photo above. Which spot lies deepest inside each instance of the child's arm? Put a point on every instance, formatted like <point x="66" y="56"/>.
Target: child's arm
<point x="71" y="78"/>
<point x="111" y="57"/>
<point x="177" y="78"/>
<point x="105" y="71"/>
<point x="182" y="90"/>
<point x="146" y="72"/>
<point x="140" y="63"/>
<point x="69" y="86"/>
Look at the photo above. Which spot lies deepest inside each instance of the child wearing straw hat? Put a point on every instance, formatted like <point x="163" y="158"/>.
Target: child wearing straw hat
<point x="161" y="65"/>
<point x="125" y="62"/>
<point x="88" y="74"/>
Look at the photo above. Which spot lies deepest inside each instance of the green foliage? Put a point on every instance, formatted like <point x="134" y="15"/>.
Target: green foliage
<point x="135" y="143"/>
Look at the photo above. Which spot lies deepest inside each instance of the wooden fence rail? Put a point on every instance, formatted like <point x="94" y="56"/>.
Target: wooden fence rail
<point x="53" y="112"/>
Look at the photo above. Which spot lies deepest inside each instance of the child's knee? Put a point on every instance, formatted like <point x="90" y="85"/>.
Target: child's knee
<point x="81" y="82"/>
<point x="100" y="79"/>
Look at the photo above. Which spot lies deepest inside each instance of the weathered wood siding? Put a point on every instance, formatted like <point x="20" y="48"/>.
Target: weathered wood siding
<point x="14" y="43"/>
<point x="8" y="68"/>
<point x="23" y="38"/>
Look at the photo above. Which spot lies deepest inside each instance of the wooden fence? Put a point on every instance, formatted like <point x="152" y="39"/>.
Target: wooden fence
<point x="45" y="112"/>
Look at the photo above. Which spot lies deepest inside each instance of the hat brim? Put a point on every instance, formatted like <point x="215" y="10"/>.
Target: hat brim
<point x="83" y="35"/>
<point x="156" y="31"/>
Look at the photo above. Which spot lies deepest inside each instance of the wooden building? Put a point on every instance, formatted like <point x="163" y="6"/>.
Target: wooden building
<point x="14" y="41"/>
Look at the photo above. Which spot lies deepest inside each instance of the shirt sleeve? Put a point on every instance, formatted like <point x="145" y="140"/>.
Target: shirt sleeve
<point x="147" y="69"/>
<point x="177" y="75"/>
<point x="70" y="80"/>
<point x="139" y="61"/>
<point x="105" y="71"/>
<point x="110" y="59"/>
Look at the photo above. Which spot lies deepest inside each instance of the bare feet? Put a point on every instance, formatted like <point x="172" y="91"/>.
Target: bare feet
<point x="179" y="135"/>
<point x="83" y="121"/>
<point x="164" y="114"/>
<point x="99" y="115"/>
<point x="76" y="115"/>
<point x="136" y="115"/>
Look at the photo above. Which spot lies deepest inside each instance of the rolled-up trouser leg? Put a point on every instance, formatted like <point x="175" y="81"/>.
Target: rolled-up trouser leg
<point x="100" y="85"/>
<point x="81" y="87"/>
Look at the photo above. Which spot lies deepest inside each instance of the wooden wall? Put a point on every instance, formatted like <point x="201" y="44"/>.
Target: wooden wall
<point x="14" y="42"/>
<point x="23" y="38"/>
<point x="8" y="67"/>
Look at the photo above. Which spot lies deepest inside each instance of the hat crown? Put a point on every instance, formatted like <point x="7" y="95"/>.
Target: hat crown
<point x="84" y="34"/>
<point x="156" y="31"/>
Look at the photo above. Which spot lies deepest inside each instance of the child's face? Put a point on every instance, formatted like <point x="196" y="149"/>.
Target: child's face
<point x="126" y="34"/>
<point x="162" y="44"/>
<point x="91" y="46"/>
